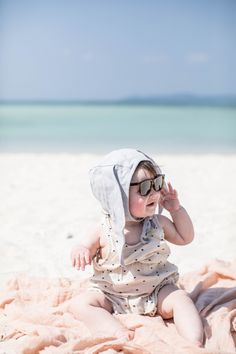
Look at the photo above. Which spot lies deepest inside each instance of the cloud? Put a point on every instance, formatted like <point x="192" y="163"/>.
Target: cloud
<point x="198" y="57"/>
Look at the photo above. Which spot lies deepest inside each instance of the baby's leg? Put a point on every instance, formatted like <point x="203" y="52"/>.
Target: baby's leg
<point x="173" y="302"/>
<point x="95" y="310"/>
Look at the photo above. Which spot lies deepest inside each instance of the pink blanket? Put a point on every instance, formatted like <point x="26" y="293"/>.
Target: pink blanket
<point x="33" y="318"/>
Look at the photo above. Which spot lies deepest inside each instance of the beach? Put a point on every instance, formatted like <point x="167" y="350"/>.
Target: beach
<point x="47" y="207"/>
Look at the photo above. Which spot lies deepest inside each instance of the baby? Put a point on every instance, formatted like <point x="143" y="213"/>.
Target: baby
<point x="129" y="250"/>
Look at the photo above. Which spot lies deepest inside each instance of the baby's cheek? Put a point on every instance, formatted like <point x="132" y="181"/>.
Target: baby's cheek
<point x="137" y="208"/>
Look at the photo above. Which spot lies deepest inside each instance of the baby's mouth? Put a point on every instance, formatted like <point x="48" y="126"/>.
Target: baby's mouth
<point x="151" y="204"/>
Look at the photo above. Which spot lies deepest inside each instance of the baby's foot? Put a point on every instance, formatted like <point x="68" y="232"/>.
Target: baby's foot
<point x="199" y="344"/>
<point x="124" y="333"/>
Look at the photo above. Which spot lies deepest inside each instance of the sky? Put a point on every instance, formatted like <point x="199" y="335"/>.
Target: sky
<point x="112" y="49"/>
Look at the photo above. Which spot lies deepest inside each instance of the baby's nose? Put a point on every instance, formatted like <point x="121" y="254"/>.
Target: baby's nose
<point x="154" y="193"/>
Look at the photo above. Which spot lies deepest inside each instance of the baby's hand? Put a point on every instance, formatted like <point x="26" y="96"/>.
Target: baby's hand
<point x="80" y="257"/>
<point x="169" y="198"/>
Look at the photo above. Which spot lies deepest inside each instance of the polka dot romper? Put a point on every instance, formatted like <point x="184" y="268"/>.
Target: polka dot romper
<point x="134" y="286"/>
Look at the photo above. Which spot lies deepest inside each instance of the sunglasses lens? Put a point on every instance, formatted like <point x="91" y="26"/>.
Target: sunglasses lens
<point x="145" y="187"/>
<point x="158" y="183"/>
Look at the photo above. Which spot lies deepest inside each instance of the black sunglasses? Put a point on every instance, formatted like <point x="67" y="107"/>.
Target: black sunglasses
<point x="146" y="185"/>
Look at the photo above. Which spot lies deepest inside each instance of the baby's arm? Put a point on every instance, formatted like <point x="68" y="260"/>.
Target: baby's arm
<point x="180" y="230"/>
<point x="83" y="253"/>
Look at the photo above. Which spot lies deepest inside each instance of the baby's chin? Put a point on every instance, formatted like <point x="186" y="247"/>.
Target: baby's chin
<point x="151" y="213"/>
<point x="150" y="210"/>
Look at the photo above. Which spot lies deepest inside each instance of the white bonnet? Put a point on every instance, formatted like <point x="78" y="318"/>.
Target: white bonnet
<point x="110" y="182"/>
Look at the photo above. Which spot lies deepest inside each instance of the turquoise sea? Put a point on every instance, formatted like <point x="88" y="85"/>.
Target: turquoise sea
<point x="100" y="128"/>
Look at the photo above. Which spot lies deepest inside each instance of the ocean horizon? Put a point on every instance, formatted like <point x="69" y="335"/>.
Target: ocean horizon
<point x="99" y="128"/>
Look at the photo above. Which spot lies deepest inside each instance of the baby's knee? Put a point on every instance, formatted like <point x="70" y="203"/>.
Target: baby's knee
<point x="78" y="304"/>
<point x="180" y="294"/>
<point x="180" y="297"/>
<point x="168" y="304"/>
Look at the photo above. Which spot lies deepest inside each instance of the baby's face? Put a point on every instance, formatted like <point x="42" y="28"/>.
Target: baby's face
<point x="142" y="206"/>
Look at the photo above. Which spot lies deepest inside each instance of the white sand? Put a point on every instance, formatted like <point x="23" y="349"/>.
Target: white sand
<point x="46" y="198"/>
